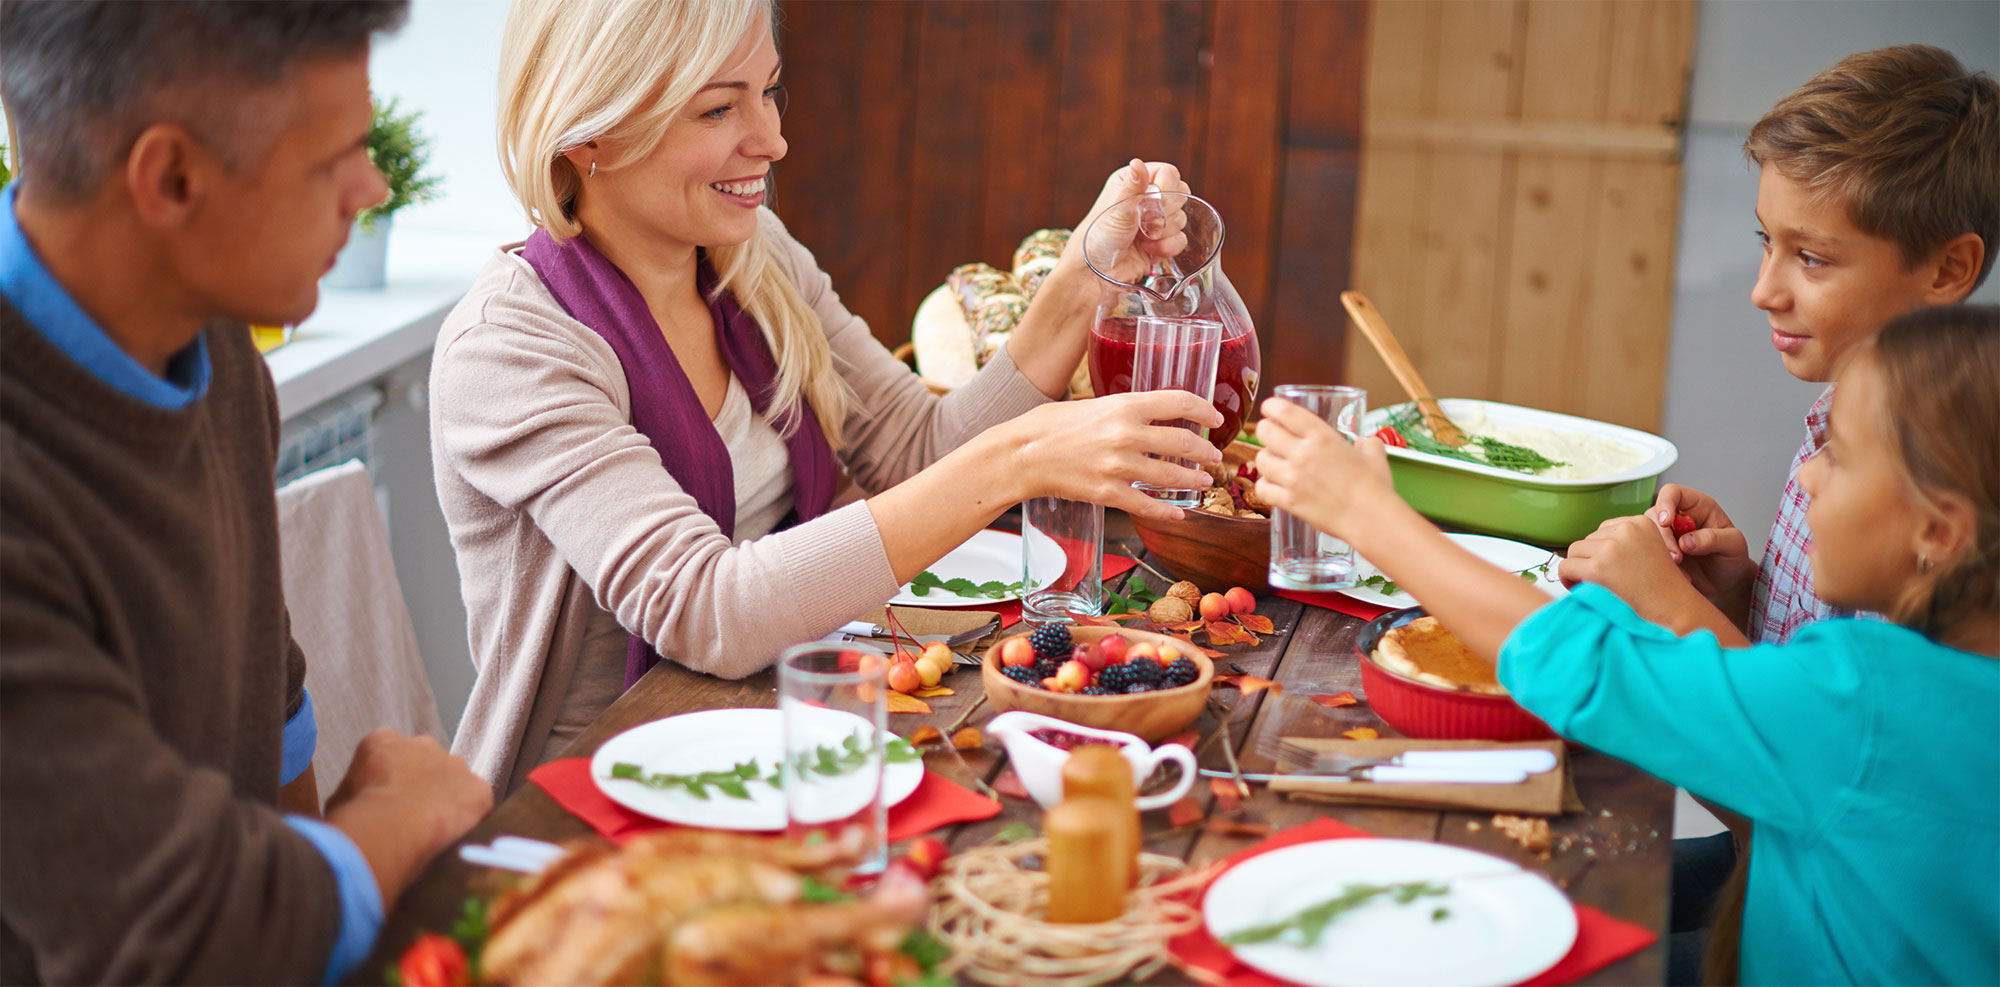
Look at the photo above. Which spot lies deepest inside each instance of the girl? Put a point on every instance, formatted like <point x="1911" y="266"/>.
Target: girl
<point x="642" y="415"/>
<point x="1866" y="754"/>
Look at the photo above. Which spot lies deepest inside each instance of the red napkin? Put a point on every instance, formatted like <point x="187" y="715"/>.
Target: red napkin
<point x="937" y="802"/>
<point x="1338" y="602"/>
<point x="1600" y="939"/>
<point x="1114" y="565"/>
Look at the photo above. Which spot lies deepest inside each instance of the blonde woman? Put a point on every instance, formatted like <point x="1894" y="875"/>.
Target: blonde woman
<point x="640" y="415"/>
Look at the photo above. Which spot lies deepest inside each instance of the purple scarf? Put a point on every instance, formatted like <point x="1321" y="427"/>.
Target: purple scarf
<point x="665" y="408"/>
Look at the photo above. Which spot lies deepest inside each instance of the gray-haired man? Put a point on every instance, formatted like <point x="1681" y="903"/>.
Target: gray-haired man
<point x="187" y="167"/>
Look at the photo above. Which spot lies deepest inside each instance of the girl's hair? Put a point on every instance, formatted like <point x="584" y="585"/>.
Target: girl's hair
<point x="575" y="71"/>
<point x="1940" y="369"/>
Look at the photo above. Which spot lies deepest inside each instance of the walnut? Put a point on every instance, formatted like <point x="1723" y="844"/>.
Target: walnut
<point x="1186" y="591"/>
<point x="1170" y="610"/>
<point x="1217" y="501"/>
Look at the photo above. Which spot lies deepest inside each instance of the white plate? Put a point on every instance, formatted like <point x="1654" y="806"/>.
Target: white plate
<point x="716" y="740"/>
<point x="1502" y="924"/>
<point x="987" y="557"/>
<point x="1510" y="555"/>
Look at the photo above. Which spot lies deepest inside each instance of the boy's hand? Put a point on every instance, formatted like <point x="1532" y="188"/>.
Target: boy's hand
<point x="1626" y="556"/>
<point x="1308" y="469"/>
<point x="1715" y="555"/>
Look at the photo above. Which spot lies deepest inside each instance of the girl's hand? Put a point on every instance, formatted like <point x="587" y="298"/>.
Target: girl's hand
<point x="1626" y="556"/>
<point x="1127" y="239"/>
<point x="1308" y="469"/>
<point x="1094" y="450"/>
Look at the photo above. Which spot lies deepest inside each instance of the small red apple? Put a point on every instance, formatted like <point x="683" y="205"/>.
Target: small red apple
<point x="1073" y="675"/>
<point x="904" y="677"/>
<point x="1214" y="607"/>
<point x="1240" y="600"/>
<point x="1113" y="648"/>
<point x="1144" y="649"/>
<point x="1016" y="652"/>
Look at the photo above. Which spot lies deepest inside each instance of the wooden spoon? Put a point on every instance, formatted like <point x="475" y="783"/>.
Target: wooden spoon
<point x="1363" y="312"/>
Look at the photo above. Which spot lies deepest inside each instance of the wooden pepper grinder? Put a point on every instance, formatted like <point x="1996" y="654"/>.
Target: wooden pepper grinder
<point x="1101" y="771"/>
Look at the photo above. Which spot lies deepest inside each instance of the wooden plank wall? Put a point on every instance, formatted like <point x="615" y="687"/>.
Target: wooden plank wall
<point x="924" y="135"/>
<point x="1520" y="196"/>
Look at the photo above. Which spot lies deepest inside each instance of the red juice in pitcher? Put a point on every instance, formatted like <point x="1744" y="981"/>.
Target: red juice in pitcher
<point x="1114" y="344"/>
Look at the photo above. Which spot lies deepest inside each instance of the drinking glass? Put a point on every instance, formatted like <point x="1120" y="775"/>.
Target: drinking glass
<point x="1303" y="557"/>
<point x="1188" y="284"/>
<point x="1176" y="354"/>
<point x="832" y="700"/>
<point x="1062" y="559"/>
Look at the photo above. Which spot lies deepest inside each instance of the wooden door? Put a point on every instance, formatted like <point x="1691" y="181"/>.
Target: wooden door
<point x="1519" y="196"/>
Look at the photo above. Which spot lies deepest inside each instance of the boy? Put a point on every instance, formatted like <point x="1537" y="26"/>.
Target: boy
<point x="186" y="167"/>
<point x="1878" y="192"/>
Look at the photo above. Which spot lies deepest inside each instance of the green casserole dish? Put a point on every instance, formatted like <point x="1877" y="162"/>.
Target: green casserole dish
<point x="1542" y="511"/>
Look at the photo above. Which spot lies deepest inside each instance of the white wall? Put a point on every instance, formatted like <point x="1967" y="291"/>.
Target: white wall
<point x="446" y="62"/>
<point x="1735" y="413"/>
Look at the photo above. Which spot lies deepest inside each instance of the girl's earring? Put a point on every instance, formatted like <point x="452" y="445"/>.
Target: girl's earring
<point x="593" y="170"/>
<point x="1923" y="562"/>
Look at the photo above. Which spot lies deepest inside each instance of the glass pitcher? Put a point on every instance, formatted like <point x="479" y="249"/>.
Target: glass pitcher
<point x="1189" y="284"/>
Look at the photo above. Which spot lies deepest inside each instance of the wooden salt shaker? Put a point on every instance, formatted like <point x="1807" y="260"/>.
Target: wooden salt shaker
<point x="1101" y="771"/>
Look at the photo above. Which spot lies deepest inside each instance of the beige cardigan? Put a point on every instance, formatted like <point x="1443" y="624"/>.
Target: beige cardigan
<point x="558" y="506"/>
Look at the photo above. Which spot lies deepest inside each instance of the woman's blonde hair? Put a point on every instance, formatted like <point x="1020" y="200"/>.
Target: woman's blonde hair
<point x="575" y="71"/>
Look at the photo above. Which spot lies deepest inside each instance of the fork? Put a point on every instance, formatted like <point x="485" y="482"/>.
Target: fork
<point x="1294" y="756"/>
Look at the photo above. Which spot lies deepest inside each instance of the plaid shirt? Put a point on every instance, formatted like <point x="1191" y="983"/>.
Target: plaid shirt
<point x="1783" y="600"/>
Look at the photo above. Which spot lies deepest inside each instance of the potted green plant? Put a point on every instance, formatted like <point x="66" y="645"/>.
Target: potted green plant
<point x="400" y="152"/>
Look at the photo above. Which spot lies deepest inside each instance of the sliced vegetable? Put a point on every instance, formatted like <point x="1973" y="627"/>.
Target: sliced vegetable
<point x="1390" y="437"/>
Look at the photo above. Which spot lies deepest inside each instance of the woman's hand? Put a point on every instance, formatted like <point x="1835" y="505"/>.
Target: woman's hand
<point x="1126" y="233"/>
<point x="1095" y="450"/>
<point x="1308" y="469"/>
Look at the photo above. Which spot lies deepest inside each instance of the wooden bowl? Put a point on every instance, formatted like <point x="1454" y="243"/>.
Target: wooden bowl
<point x="1154" y="716"/>
<point x="1209" y="550"/>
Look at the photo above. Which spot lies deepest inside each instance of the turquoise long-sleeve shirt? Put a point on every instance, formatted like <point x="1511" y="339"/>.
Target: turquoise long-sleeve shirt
<point x="1867" y="756"/>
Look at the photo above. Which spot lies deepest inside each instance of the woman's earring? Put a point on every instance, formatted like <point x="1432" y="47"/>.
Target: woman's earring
<point x="593" y="170"/>
<point x="1923" y="562"/>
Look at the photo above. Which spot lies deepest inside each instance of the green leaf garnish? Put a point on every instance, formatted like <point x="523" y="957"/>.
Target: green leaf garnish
<point x="830" y="761"/>
<point x="1406" y="419"/>
<point x="1310" y="922"/>
<point x="991" y="590"/>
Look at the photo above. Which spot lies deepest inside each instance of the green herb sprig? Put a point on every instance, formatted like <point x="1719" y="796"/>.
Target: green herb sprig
<point x="1310" y="923"/>
<point x="1410" y="423"/>
<point x="992" y="590"/>
<point x="735" y="782"/>
<point x="1387" y="587"/>
<point x="1136" y="599"/>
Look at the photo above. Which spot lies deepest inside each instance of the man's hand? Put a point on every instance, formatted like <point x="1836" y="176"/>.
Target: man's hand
<point x="403" y="800"/>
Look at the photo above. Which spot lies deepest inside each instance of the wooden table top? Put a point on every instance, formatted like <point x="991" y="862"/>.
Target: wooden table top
<point x="1618" y="859"/>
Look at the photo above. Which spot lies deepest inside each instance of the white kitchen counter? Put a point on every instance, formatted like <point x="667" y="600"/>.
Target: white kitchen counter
<point x="355" y="336"/>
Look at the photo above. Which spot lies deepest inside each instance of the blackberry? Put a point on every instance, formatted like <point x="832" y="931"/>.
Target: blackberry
<point x="1180" y="673"/>
<point x="1138" y="687"/>
<point x="1115" y="678"/>
<point x="1094" y="690"/>
<point x="1046" y="668"/>
<point x="1024" y="675"/>
<point x="1052" y="642"/>
<point x="1145" y="672"/>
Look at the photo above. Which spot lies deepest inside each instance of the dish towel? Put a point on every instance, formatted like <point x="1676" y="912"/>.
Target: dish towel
<point x="362" y="664"/>
<point x="936" y="803"/>
<point x="1114" y="566"/>
<point x="1600" y="939"/>
<point x="1338" y="602"/>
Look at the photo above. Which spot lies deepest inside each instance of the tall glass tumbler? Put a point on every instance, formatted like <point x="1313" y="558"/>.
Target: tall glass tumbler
<point x="835" y="720"/>
<point x="1062" y="559"/>
<point x="1303" y="557"/>
<point x="1176" y="354"/>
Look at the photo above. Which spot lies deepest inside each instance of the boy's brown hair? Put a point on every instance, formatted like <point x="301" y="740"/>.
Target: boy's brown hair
<point x="1906" y="136"/>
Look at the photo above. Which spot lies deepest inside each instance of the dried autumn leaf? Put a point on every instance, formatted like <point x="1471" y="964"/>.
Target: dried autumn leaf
<point x="968" y="739"/>
<point x="1185" y="626"/>
<point x="1223" y="633"/>
<point x="1249" y="684"/>
<point x="1227" y="798"/>
<point x="1009" y="784"/>
<point x="924" y="735"/>
<point x="933" y="692"/>
<point x="904" y="703"/>
<point x="1091" y="620"/>
<point x="1234" y="827"/>
<point x="1185" y="812"/>
<point x="1257" y="622"/>
<point x="1361" y="733"/>
<point x="1336" y="700"/>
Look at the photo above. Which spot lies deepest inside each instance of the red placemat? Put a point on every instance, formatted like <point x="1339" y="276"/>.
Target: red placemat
<point x="1114" y="565"/>
<point x="937" y="802"/>
<point x="1600" y="939"/>
<point x="1338" y="602"/>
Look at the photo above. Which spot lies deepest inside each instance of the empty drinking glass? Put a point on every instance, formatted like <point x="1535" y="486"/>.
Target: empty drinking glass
<point x="835" y="719"/>
<point x="1062" y="559"/>
<point x="1176" y="354"/>
<point x="1302" y="557"/>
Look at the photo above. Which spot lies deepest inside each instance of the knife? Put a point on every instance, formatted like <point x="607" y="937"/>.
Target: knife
<point x="1386" y="773"/>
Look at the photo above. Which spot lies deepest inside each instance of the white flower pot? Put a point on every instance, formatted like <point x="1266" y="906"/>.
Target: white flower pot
<point x="364" y="262"/>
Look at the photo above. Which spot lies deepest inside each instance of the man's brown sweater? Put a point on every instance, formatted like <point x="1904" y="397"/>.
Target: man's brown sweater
<point x="146" y="673"/>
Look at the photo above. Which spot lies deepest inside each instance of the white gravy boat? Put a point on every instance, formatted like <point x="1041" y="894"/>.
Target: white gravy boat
<point x="1039" y="764"/>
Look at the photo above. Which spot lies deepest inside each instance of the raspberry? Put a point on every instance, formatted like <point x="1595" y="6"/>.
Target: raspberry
<point x="1052" y="642"/>
<point x="1182" y="672"/>
<point x="1024" y="675"/>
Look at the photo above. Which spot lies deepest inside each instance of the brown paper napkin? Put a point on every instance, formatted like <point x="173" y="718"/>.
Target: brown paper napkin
<point x="926" y="620"/>
<point x="1550" y="793"/>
